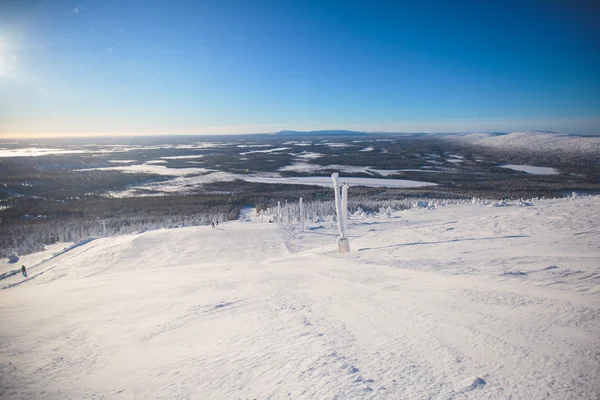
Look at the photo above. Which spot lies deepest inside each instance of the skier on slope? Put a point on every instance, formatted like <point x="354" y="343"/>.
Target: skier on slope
<point x="213" y="224"/>
<point x="24" y="271"/>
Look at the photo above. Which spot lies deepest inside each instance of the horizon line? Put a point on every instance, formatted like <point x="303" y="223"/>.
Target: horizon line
<point x="300" y="132"/>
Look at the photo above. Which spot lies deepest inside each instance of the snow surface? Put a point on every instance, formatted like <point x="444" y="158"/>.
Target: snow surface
<point x="306" y="167"/>
<point x="298" y="143"/>
<point x="36" y="152"/>
<point x="102" y="149"/>
<point x="266" y="151"/>
<point x="352" y="181"/>
<point x="333" y="144"/>
<point x="530" y="169"/>
<point x="188" y="179"/>
<point x="386" y="172"/>
<point x="182" y="157"/>
<point x="308" y="155"/>
<point x="151" y="168"/>
<point x="540" y="141"/>
<point x="461" y="302"/>
<point x="179" y="184"/>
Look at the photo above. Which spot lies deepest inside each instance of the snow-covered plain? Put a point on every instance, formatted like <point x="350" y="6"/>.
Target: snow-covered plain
<point x="186" y="180"/>
<point x="278" y="149"/>
<point x="531" y="169"/>
<point x="36" y="152"/>
<point x="101" y="149"/>
<point x="308" y="168"/>
<point x="326" y="181"/>
<point x="460" y="302"/>
<point x="151" y="167"/>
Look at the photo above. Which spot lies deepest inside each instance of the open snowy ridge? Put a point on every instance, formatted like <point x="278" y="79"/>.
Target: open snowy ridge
<point x="458" y="302"/>
<point x="538" y="141"/>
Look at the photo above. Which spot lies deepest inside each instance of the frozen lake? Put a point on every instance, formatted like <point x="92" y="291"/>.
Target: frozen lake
<point x="326" y="181"/>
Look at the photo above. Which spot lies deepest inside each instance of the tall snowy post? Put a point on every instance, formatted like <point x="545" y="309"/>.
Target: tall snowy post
<point x="301" y="213"/>
<point x="343" y="244"/>
<point x="345" y="203"/>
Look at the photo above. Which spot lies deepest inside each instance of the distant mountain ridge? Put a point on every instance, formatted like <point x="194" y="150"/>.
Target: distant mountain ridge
<point x="466" y="135"/>
<point x="343" y="132"/>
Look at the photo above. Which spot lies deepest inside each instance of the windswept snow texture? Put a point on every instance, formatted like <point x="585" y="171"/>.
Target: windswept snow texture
<point x="461" y="302"/>
<point x="530" y="169"/>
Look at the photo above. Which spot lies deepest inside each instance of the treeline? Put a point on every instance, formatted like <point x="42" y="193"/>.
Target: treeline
<point x="32" y="223"/>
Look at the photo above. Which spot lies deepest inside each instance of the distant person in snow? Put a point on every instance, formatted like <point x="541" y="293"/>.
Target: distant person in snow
<point x="24" y="271"/>
<point x="217" y="222"/>
<point x="213" y="224"/>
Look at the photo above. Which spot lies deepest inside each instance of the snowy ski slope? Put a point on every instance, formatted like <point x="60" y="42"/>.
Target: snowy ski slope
<point x="460" y="302"/>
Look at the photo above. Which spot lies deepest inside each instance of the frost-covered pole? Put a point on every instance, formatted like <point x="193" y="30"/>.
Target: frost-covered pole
<point x="343" y="244"/>
<point x="301" y="213"/>
<point x="345" y="204"/>
<point x="338" y="204"/>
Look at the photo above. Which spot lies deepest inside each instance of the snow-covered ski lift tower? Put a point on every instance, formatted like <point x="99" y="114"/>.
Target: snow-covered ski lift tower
<point x="341" y="210"/>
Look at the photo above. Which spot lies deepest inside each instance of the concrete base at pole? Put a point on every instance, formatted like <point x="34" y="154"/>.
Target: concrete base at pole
<point x="343" y="245"/>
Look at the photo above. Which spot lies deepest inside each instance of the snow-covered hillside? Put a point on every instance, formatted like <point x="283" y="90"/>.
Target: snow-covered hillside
<point x="456" y="302"/>
<point x="538" y="141"/>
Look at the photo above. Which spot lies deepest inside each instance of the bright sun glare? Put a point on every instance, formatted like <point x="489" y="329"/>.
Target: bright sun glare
<point x="3" y="61"/>
<point x="6" y="61"/>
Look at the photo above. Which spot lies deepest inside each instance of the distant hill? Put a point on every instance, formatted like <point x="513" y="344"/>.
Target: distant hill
<point x="542" y="141"/>
<point x="341" y="132"/>
<point x="321" y="133"/>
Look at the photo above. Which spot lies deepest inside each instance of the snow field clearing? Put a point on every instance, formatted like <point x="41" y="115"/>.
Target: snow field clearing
<point x="461" y="302"/>
<point x="530" y="169"/>
<point x="326" y="181"/>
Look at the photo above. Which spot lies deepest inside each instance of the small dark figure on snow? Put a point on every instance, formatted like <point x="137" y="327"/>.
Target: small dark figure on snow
<point x="217" y="222"/>
<point x="24" y="271"/>
<point x="213" y="224"/>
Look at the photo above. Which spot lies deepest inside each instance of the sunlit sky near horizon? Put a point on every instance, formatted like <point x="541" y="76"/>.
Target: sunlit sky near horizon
<point x="243" y="66"/>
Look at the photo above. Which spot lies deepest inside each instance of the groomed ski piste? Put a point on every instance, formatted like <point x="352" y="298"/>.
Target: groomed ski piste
<point x="457" y="302"/>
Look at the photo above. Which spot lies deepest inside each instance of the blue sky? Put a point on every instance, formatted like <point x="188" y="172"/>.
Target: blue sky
<point x="238" y="66"/>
